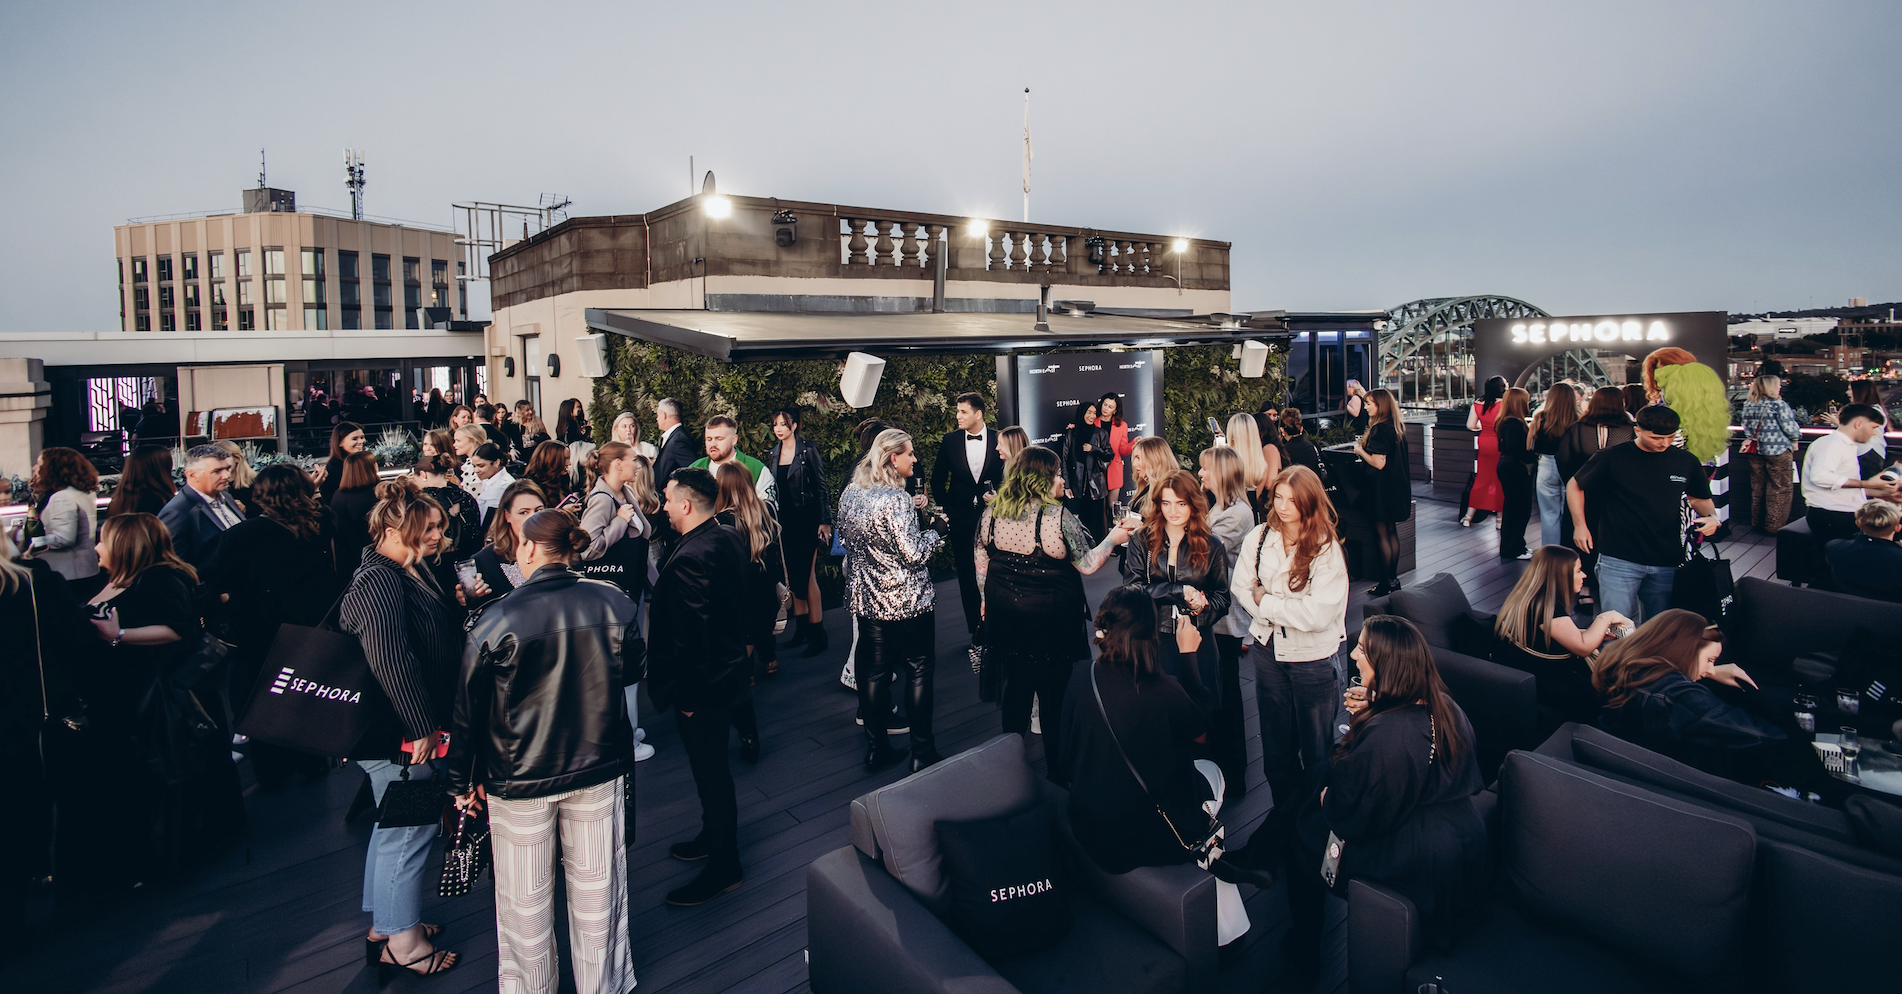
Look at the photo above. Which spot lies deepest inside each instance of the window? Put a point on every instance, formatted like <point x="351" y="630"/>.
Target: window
<point x="216" y="263"/>
<point x="382" y="291"/>
<point x="218" y="320"/>
<point x="273" y="262"/>
<point x="412" y="297"/>
<point x="138" y="270"/>
<point x="191" y="295"/>
<point x="276" y="320"/>
<point x="119" y="264"/>
<point x="165" y="269"/>
<point x="143" y="322"/>
<point x="140" y="299"/>
<point x="190" y="263"/>
<point x="244" y="293"/>
<point x="167" y="322"/>
<point x="439" y="283"/>
<point x="351" y="295"/>
<point x="352" y="318"/>
<point x="383" y="319"/>
<point x="192" y="321"/>
<point x="313" y="262"/>
<point x="346" y="265"/>
<point x="313" y="292"/>
<point x="412" y="270"/>
<point x="273" y="291"/>
<point x="380" y="267"/>
<point x="315" y="319"/>
<point x="244" y="263"/>
<point x="165" y="298"/>
<point x="247" y="319"/>
<point x="218" y="294"/>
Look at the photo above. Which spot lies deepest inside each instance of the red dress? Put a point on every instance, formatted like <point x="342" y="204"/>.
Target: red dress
<point x="1487" y="494"/>
<point x="1121" y="445"/>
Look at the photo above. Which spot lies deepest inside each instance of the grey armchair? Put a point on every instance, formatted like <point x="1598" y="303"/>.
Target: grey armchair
<point x="872" y="908"/>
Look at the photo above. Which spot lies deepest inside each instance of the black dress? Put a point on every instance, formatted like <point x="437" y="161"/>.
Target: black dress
<point x="464" y="523"/>
<point x="1408" y="820"/>
<point x="1156" y="722"/>
<point x="1035" y="612"/>
<point x="1389" y="496"/>
<point x="352" y="509"/>
<point x="333" y="479"/>
<point x="1515" y="469"/>
<point x="1200" y="675"/>
<point x="273" y="578"/>
<point x="39" y="676"/>
<point x="1565" y="680"/>
<point x="189" y="784"/>
<point x="1300" y="451"/>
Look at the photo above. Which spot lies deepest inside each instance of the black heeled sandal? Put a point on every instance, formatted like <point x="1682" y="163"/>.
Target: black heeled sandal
<point x="436" y="958"/>
<point x="373" y="948"/>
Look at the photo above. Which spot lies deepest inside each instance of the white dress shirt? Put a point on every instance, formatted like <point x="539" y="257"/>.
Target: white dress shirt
<point x="1831" y="462"/>
<point x="974" y="453"/>
<point x="489" y="497"/>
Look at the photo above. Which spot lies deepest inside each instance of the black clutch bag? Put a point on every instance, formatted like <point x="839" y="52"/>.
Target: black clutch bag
<point x="411" y="803"/>
<point x="466" y="855"/>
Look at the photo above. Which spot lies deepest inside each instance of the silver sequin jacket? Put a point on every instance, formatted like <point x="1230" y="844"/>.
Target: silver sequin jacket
<point x="885" y="554"/>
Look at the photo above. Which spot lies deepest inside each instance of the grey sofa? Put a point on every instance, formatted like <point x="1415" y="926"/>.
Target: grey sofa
<point x="872" y="908"/>
<point x="1620" y="869"/>
<point x="1771" y="624"/>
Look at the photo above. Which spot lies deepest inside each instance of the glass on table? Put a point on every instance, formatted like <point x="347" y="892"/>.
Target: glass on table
<point x="1850" y="744"/>
<point x="1848" y="701"/>
<point x="1805" y="706"/>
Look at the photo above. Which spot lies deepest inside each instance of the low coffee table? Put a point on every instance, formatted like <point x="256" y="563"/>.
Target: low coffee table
<point x="1878" y="768"/>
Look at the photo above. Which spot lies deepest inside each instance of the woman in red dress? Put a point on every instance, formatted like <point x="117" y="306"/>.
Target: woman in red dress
<point x="1109" y="409"/>
<point x="1483" y="492"/>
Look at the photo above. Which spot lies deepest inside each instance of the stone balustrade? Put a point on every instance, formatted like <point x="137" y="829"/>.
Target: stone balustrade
<point x="910" y="241"/>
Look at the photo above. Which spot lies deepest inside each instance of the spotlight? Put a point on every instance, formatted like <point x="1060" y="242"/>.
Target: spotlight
<point x="718" y="206"/>
<point x="978" y="228"/>
<point x="1182" y="245"/>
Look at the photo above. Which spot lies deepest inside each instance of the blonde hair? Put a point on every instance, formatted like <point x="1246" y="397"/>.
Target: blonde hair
<point x="1544" y="591"/>
<point x="1013" y="440"/>
<point x="401" y="505"/>
<point x="875" y="470"/>
<point x="642" y="483"/>
<point x="749" y="512"/>
<point x="241" y="472"/>
<point x="135" y="543"/>
<point x="1157" y="461"/>
<point x="1225" y="473"/>
<point x="1244" y="436"/>
<point x="596" y="465"/>
<point x="1766" y="386"/>
<point x="474" y="432"/>
<point x="12" y="575"/>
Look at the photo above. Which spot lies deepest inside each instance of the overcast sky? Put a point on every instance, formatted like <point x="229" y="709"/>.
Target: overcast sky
<point x="1587" y="157"/>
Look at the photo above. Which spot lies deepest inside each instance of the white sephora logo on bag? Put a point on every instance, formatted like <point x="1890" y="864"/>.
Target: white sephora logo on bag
<point x="1022" y="890"/>
<point x="285" y="681"/>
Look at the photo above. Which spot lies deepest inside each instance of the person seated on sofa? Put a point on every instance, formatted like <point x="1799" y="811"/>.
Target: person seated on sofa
<point x="1656" y="685"/>
<point x="1138" y="795"/>
<point x="1870" y="564"/>
<point x="1397" y="792"/>
<point x="1538" y="634"/>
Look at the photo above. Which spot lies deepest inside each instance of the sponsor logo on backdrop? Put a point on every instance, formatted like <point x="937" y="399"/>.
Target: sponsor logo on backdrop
<point x="1090" y="369"/>
<point x="1606" y="331"/>
<point x="1053" y="367"/>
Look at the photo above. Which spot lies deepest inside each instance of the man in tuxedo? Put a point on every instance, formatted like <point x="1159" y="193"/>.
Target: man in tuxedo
<point x="201" y="511"/>
<point x="677" y="451"/>
<point x="968" y="467"/>
<point x="697" y="667"/>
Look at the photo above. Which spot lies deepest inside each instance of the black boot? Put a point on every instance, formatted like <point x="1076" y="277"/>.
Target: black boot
<point x="817" y="641"/>
<point x="919" y="664"/>
<point x="802" y="630"/>
<point x="875" y="708"/>
<point x="718" y="878"/>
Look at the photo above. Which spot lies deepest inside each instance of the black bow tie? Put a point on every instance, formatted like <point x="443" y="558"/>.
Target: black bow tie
<point x="974" y="438"/>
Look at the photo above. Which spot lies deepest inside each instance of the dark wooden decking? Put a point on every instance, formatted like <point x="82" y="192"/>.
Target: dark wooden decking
<point x="280" y="913"/>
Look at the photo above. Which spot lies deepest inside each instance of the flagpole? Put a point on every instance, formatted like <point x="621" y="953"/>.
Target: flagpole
<point x="1027" y="154"/>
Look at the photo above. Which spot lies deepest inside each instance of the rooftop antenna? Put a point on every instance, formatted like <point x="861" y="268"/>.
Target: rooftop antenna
<point x="353" y="180"/>
<point x="261" y="183"/>
<point x="554" y="208"/>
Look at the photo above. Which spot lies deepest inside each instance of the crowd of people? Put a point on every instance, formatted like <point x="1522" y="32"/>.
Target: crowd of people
<point x="513" y="588"/>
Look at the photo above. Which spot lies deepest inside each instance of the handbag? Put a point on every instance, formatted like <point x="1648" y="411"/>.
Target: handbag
<point x="411" y="803"/>
<point x="1208" y="848"/>
<point x="466" y="855"/>
<point x="206" y="659"/>
<point x="315" y="692"/>
<point x="1703" y="583"/>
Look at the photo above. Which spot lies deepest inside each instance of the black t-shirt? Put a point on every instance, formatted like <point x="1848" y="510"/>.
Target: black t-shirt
<point x="1636" y="498"/>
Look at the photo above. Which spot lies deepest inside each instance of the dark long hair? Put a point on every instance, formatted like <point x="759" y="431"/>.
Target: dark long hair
<point x="1195" y="531"/>
<point x="283" y="493"/>
<point x="59" y="468"/>
<point x="1494" y="389"/>
<point x="148" y="470"/>
<point x="1607" y="408"/>
<point x="1404" y="674"/>
<point x="1126" y="633"/>
<point x="548" y="466"/>
<point x="1560" y="410"/>
<point x="1669" y="641"/>
<point x="568" y="419"/>
<point x="341" y="432"/>
<point x="1118" y="398"/>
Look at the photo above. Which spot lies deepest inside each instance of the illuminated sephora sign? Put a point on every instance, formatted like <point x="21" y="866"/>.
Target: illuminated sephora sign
<point x="1511" y="347"/>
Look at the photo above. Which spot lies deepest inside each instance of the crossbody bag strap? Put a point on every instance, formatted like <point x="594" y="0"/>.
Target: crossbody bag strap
<point x="1140" y="782"/>
<point x="39" y="650"/>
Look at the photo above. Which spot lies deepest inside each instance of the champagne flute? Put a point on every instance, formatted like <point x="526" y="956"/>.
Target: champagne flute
<point x="1852" y="749"/>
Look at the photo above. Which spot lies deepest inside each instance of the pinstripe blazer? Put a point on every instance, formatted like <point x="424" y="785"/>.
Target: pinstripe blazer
<point x="412" y="637"/>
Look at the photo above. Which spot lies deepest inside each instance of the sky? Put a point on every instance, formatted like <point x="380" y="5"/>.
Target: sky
<point x="1586" y="157"/>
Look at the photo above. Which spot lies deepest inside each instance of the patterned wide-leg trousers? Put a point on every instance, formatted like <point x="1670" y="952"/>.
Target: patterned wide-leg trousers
<point x="524" y="833"/>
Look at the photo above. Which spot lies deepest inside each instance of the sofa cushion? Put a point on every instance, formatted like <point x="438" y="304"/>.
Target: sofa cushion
<point x="1662" y="879"/>
<point x="1774" y="623"/>
<point x="1433" y="605"/>
<point x="900" y="820"/>
<point x="1826" y="920"/>
<point x="1509" y="953"/>
<point x="1501" y="702"/>
<point x="1103" y="952"/>
<point x="1877" y="824"/>
<point x="1005" y="893"/>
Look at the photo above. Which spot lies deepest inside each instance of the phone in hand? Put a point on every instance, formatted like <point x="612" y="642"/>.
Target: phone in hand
<point x="1215" y="427"/>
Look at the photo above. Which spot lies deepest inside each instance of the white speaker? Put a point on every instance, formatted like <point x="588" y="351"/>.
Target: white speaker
<point x="591" y="352"/>
<point x="1254" y="359"/>
<point x="859" y="383"/>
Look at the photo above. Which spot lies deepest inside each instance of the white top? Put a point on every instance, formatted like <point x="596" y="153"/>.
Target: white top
<point x="489" y="493"/>
<point x="1307" y="624"/>
<point x="1830" y="462"/>
<point x="974" y="453"/>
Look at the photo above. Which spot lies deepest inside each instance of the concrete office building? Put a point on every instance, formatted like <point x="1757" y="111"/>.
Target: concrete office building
<point x="272" y="267"/>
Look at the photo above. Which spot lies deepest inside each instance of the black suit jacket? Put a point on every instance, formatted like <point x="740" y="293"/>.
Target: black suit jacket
<point x="677" y="451"/>
<point x="951" y="485"/>
<point x="696" y="647"/>
<point x="195" y="533"/>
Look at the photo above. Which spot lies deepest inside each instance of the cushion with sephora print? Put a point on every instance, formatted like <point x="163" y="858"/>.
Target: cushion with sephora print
<point x="1007" y="895"/>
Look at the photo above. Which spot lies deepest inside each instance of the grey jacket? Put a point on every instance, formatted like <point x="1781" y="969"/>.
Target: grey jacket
<point x="886" y="557"/>
<point x="71" y="522"/>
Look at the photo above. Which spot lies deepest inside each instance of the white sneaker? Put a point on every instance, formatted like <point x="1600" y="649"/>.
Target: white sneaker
<point x="236" y="758"/>
<point x="1036" y="718"/>
<point x="643" y="752"/>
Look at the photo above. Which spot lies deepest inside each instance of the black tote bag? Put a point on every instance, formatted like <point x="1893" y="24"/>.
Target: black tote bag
<point x="1703" y="584"/>
<point x="315" y="692"/>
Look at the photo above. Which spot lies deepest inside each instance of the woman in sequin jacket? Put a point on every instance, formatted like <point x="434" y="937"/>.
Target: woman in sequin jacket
<point x="888" y="588"/>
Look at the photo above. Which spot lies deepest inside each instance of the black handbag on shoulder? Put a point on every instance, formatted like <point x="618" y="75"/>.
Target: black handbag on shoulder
<point x="1704" y="583"/>
<point x="466" y="856"/>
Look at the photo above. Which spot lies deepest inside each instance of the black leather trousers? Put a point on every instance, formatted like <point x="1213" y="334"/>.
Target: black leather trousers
<point x="898" y="650"/>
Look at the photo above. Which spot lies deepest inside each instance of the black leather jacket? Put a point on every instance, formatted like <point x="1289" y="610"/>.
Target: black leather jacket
<point x="697" y="635"/>
<point x="805" y="480"/>
<point x="539" y="706"/>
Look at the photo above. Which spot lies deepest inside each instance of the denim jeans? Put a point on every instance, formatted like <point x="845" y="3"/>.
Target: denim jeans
<point x="395" y="866"/>
<point x="1632" y="589"/>
<point x="1551" y="493"/>
<point x="1300" y="706"/>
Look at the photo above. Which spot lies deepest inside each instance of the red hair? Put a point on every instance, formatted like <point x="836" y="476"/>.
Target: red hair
<point x="1319" y="521"/>
<point x="1195" y="532"/>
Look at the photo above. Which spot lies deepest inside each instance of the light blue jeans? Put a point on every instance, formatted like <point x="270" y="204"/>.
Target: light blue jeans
<point x="1551" y="492"/>
<point x="1634" y="590"/>
<point x="397" y="863"/>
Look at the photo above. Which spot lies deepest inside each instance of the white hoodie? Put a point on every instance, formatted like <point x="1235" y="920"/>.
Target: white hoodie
<point x="1308" y="624"/>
